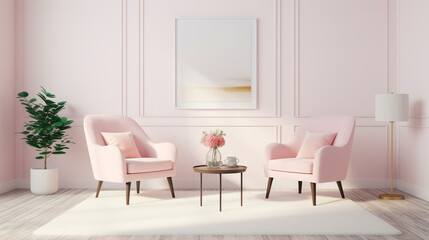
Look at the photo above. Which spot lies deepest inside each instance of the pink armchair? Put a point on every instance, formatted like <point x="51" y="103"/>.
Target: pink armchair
<point x="329" y="164"/>
<point x="108" y="163"/>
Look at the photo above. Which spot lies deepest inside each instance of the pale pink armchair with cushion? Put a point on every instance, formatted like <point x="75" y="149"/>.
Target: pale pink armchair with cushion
<point x="329" y="163"/>
<point x="156" y="160"/>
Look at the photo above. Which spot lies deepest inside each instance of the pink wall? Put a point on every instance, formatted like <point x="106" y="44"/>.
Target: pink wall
<point x="413" y="78"/>
<point x="117" y="57"/>
<point x="7" y="92"/>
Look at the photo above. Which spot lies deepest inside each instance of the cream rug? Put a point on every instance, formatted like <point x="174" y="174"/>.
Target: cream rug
<point x="156" y="213"/>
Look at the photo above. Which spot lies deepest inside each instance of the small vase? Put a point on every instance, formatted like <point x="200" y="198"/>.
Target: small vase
<point x="214" y="158"/>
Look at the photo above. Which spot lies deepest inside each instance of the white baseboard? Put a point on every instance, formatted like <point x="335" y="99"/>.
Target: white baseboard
<point x="212" y="182"/>
<point x="7" y="186"/>
<point x="22" y="183"/>
<point x="412" y="189"/>
<point x="363" y="183"/>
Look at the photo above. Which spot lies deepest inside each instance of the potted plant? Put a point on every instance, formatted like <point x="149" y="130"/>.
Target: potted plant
<point x="46" y="132"/>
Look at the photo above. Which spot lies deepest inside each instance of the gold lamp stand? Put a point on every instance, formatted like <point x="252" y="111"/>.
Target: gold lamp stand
<point x="391" y="195"/>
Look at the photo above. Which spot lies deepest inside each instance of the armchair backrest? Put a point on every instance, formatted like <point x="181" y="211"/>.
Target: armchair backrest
<point x="95" y="124"/>
<point x="343" y="125"/>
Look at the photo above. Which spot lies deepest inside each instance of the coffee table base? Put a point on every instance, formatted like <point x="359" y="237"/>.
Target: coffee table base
<point x="220" y="190"/>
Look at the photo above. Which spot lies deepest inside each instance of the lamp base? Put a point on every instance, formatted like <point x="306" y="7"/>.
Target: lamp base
<point x="391" y="196"/>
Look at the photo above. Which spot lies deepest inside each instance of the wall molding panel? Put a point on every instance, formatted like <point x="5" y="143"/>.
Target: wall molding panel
<point x="409" y="168"/>
<point x="411" y="57"/>
<point x="52" y="53"/>
<point x="339" y="12"/>
<point x="296" y="59"/>
<point x="124" y="57"/>
<point x="411" y="77"/>
<point x="141" y="60"/>
<point x="276" y="112"/>
<point x="278" y="57"/>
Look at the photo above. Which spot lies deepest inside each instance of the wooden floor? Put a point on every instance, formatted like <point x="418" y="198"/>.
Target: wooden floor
<point x="22" y="212"/>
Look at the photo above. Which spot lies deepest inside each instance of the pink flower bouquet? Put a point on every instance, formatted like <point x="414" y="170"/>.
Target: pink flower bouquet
<point x="213" y="140"/>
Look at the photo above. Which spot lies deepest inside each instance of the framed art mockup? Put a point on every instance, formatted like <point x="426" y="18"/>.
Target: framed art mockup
<point x="216" y="63"/>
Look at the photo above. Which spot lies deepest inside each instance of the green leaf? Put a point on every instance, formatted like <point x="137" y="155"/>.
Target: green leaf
<point x="50" y="102"/>
<point x="50" y="95"/>
<point x="62" y="102"/>
<point x="39" y="157"/>
<point x="23" y="94"/>
<point x="59" y="153"/>
<point x="45" y="153"/>
<point x="41" y="96"/>
<point x="32" y="100"/>
<point x="63" y="119"/>
<point x="58" y="124"/>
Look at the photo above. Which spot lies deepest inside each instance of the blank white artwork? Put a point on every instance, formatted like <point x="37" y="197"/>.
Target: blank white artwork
<point x="216" y="63"/>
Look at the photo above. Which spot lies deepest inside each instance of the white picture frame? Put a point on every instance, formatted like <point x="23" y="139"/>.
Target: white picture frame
<point x="216" y="63"/>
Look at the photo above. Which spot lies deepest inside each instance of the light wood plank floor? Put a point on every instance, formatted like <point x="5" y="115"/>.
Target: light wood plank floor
<point x="22" y="212"/>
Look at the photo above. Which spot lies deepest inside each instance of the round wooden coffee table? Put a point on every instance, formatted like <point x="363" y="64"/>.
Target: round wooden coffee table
<point x="220" y="170"/>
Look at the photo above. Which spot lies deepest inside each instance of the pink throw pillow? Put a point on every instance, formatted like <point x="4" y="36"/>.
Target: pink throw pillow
<point x="124" y="141"/>
<point x="314" y="141"/>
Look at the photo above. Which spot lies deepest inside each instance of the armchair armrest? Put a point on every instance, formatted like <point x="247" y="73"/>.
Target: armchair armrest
<point x="165" y="150"/>
<point x="331" y="163"/>
<point x="277" y="151"/>
<point x="110" y="164"/>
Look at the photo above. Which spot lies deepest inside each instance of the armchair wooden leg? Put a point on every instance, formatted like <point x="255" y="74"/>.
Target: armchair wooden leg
<point x="270" y="182"/>
<point x="299" y="187"/>
<point x="313" y="193"/>
<point x="127" y="190"/>
<point x="98" y="188"/>
<point x="138" y="186"/>
<point x="340" y="187"/>
<point x="170" y="183"/>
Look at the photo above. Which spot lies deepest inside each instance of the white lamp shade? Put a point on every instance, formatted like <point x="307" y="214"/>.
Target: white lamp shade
<point x="391" y="107"/>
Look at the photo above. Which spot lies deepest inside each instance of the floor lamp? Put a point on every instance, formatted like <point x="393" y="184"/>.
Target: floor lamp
<point x="391" y="108"/>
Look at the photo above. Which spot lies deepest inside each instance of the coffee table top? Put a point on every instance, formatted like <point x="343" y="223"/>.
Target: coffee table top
<point x="222" y="169"/>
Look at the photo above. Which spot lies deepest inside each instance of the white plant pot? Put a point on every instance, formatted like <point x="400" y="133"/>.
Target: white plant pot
<point x="44" y="181"/>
